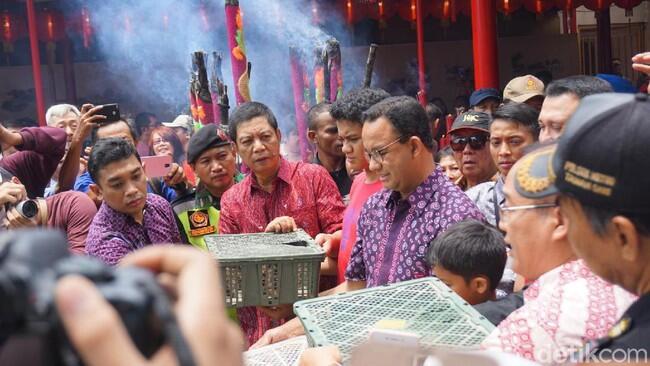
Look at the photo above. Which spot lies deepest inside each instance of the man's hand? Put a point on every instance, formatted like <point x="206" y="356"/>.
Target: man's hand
<point x="96" y="331"/>
<point x="290" y="329"/>
<point x="321" y="356"/>
<point x="12" y="193"/>
<point x="641" y="63"/>
<point x="277" y="312"/>
<point x="15" y="220"/>
<point x="329" y="243"/>
<point x="282" y="224"/>
<point x="175" y="175"/>
<point x="87" y="121"/>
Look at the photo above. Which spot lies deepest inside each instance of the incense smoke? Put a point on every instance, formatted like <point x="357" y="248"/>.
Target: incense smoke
<point x="147" y="46"/>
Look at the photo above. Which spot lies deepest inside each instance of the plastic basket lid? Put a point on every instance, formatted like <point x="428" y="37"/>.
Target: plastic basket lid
<point x="426" y="307"/>
<point x="285" y="353"/>
<point x="262" y="246"/>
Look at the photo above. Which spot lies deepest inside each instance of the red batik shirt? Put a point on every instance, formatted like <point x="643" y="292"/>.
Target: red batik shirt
<point x="305" y="192"/>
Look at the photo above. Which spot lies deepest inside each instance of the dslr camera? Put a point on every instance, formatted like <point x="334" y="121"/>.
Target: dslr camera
<point x="31" y="263"/>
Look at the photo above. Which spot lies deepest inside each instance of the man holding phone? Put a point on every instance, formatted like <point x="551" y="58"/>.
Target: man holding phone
<point x="212" y="157"/>
<point x="129" y="218"/>
<point x="169" y="187"/>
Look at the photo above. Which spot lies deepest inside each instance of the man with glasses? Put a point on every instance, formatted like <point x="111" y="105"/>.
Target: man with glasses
<point x="397" y="224"/>
<point x="278" y="196"/>
<point x="211" y="155"/>
<point x="565" y="303"/>
<point x="470" y="134"/>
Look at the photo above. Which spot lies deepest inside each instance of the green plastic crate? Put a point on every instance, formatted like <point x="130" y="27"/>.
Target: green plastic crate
<point x="285" y="353"/>
<point x="267" y="269"/>
<point x="430" y="308"/>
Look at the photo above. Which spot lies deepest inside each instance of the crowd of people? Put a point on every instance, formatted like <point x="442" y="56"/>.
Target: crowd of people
<point x="530" y="206"/>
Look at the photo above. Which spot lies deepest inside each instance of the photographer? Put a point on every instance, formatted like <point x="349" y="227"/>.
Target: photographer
<point x="72" y="212"/>
<point x="40" y="150"/>
<point x="77" y="126"/>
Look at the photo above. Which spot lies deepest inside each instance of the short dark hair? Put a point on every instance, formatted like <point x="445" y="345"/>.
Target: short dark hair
<point x="351" y="106"/>
<point x="407" y="117"/>
<point x="314" y="112"/>
<point x="142" y="121"/>
<point x="470" y="249"/>
<point x="93" y="133"/>
<point x="521" y="114"/>
<point x="433" y="112"/>
<point x="599" y="219"/>
<point x="247" y="112"/>
<point x="579" y="85"/>
<point x="107" y="151"/>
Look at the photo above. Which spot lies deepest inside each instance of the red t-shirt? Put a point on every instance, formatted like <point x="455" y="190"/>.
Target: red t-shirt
<point x="359" y="194"/>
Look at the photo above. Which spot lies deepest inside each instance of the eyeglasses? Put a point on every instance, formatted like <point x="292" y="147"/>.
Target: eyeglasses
<point x="504" y="210"/>
<point x="378" y="154"/>
<point x="476" y="142"/>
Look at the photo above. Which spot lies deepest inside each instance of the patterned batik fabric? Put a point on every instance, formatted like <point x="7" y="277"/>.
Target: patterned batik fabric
<point x="563" y="309"/>
<point x="393" y="234"/>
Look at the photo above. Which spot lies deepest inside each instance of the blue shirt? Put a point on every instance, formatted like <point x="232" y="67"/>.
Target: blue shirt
<point x="84" y="181"/>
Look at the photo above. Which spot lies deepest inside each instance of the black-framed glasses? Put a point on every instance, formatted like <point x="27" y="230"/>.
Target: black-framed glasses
<point x="476" y="142"/>
<point x="378" y="154"/>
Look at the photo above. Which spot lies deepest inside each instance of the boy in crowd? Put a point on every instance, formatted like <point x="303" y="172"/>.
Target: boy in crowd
<point x="469" y="258"/>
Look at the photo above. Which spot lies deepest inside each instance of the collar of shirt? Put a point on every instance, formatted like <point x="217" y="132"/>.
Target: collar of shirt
<point x="116" y="216"/>
<point x="639" y="309"/>
<point x="284" y="174"/>
<point x="392" y="198"/>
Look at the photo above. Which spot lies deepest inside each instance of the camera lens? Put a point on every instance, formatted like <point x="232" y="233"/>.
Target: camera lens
<point x="28" y="208"/>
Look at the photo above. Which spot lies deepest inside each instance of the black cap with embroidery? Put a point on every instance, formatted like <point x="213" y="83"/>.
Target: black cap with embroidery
<point x="207" y="137"/>
<point x="472" y="120"/>
<point x="603" y="157"/>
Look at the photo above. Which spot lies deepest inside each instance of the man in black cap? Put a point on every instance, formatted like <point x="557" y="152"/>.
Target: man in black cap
<point x="212" y="157"/>
<point x="604" y="200"/>
<point x="470" y="134"/>
<point x="485" y="100"/>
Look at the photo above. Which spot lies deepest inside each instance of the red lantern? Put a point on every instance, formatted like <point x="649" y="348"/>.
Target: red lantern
<point x="537" y="6"/>
<point x="11" y="29"/>
<point x="50" y="25"/>
<point x="86" y="28"/>
<point x="568" y="4"/>
<point x="508" y="7"/>
<point x="627" y="4"/>
<point x="597" y="5"/>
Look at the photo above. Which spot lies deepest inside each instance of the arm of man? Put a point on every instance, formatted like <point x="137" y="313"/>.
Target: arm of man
<point x="73" y="212"/>
<point x="329" y="204"/>
<point x="70" y="167"/>
<point x="40" y="151"/>
<point x="227" y="220"/>
<point x="293" y="328"/>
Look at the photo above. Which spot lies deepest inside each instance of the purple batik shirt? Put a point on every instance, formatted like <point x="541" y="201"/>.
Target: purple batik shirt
<point x="112" y="235"/>
<point x="393" y="234"/>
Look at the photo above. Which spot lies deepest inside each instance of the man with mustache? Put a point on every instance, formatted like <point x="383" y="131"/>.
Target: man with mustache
<point x="470" y="134"/>
<point x="278" y="196"/>
<point x="129" y="218"/>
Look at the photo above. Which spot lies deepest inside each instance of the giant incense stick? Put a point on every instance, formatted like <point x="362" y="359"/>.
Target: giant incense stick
<point x="240" y="65"/>
<point x="300" y="86"/>
<point x="370" y="65"/>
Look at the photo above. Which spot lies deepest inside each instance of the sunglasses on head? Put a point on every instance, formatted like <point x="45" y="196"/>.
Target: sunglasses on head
<point x="476" y="142"/>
